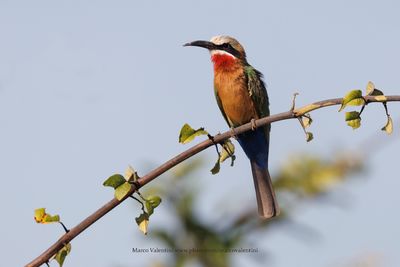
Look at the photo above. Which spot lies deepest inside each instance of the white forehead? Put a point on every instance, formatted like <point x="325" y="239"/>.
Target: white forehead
<point x="221" y="39"/>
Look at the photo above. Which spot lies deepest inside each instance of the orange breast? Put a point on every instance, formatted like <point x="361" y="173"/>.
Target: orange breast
<point x="232" y="90"/>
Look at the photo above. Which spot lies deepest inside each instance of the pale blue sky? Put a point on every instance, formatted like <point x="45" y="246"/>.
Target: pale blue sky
<point x="88" y="87"/>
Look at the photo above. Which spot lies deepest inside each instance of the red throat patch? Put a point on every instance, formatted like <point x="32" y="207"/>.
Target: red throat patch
<point x="223" y="61"/>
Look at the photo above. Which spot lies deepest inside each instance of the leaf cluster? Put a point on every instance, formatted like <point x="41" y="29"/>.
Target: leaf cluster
<point x="122" y="187"/>
<point x="355" y="98"/>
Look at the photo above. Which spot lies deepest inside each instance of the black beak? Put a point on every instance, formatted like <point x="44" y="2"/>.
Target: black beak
<point x="205" y="44"/>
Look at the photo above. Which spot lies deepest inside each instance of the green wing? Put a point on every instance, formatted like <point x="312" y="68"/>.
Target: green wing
<point x="220" y="107"/>
<point x="257" y="91"/>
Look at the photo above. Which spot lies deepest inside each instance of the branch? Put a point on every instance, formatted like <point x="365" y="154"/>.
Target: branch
<point x="75" y="231"/>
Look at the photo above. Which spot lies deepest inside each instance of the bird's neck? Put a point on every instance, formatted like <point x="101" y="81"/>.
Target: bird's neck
<point x="224" y="62"/>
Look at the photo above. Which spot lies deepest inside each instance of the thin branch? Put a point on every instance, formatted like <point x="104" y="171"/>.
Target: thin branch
<point x="75" y="231"/>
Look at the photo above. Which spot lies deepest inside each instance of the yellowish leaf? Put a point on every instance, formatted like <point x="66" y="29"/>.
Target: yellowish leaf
<point x="370" y="88"/>
<point x="388" y="128"/>
<point x="187" y="133"/>
<point x="353" y="98"/>
<point x="122" y="190"/>
<point x="356" y="123"/>
<point x="131" y="175"/>
<point x="228" y="149"/>
<point x="356" y="102"/>
<point x="62" y="254"/>
<point x="143" y="222"/>
<point x="39" y="214"/>
<point x="372" y="91"/>
<point x="353" y="119"/>
<point x="42" y="217"/>
<point x="306" y="120"/>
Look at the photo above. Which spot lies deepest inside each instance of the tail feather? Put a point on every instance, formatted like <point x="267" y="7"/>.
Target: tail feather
<point x="266" y="200"/>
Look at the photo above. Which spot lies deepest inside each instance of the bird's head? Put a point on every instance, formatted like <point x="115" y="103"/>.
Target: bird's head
<point x="222" y="47"/>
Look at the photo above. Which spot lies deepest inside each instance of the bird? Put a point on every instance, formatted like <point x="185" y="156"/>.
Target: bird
<point x="242" y="97"/>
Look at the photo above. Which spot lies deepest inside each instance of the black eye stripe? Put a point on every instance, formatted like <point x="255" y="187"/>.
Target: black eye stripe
<point x="229" y="48"/>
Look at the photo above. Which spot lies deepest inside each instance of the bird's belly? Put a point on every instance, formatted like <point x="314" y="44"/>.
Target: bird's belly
<point x="237" y="105"/>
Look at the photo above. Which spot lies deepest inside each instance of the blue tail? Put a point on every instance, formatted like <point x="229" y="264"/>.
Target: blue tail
<point x="256" y="146"/>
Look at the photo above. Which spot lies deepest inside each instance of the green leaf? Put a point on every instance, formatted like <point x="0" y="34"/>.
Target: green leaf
<point x="50" y="219"/>
<point x="352" y="115"/>
<point x="309" y="136"/>
<point x="370" y="88"/>
<point x="356" y="102"/>
<point x="187" y="133"/>
<point x="151" y="203"/>
<point x="216" y="167"/>
<point x="352" y="98"/>
<point x="377" y="92"/>
<point x="149" y="208"/>
<point x="143" y="222"/>
<point x="306" y="120"/>
<point x="62" y="254"/>
<point x="228" y="150"/>
<point x="114" y="181"/>
<point x="388" y="128"/>
<point x="154" y="200"/>
<point x="122" y="190"/>
<point x="353" y="119"/>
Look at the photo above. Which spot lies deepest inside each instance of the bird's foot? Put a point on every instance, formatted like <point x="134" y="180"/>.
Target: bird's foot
<point x="253" y="124"/>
